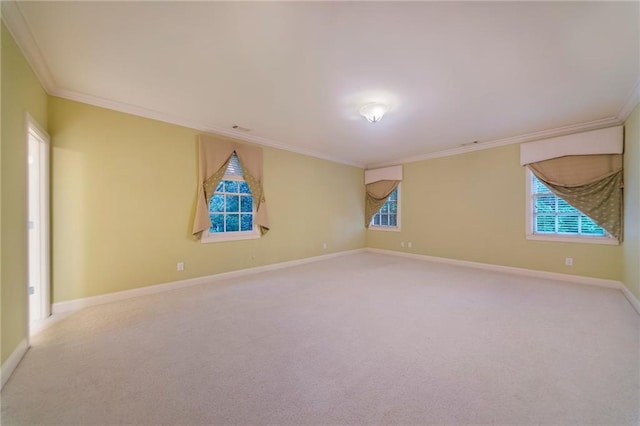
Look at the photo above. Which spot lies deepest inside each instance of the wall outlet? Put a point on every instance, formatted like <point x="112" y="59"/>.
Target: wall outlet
<point x="180" y="266"/>
<point x="409" y="244"/>
<point x="401" y="243"/>
<point x="324" y="245"/>
<point x="568" y="261"/>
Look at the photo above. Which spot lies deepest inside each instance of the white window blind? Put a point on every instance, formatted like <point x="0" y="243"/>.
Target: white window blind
<point x="234" y="169"/>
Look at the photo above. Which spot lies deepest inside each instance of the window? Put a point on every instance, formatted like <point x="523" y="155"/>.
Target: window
<point x="552" y="218"/>
<point x="388" y="217"/>
<point x="231" y="208"/>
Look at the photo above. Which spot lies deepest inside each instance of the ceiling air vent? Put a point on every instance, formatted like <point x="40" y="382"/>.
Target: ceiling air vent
<point x="240" y="128"/>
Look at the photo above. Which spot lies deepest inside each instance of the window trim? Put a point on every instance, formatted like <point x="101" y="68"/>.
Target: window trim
<point x="531" y="235"/>
<point x="218" y="237"/>
<point x="396" y="228"/>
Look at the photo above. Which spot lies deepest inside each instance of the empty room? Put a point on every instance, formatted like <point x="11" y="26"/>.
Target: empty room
<point x="327" y="213"/>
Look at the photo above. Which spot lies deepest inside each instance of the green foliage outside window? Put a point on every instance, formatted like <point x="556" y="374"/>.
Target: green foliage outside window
<point x="231" y="207"/>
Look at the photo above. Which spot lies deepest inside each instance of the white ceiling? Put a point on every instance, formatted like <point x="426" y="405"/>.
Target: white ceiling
<point x="296" y="73"/>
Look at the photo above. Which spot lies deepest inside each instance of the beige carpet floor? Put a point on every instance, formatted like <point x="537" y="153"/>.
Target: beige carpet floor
<point x="361" y="339"/>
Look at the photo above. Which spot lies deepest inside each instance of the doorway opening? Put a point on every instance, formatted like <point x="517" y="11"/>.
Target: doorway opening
<point x="38" y="224"/>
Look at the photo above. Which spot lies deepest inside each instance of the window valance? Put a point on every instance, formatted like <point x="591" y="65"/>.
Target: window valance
<point x="384" y="173"/>
<point x="603" y="141"/>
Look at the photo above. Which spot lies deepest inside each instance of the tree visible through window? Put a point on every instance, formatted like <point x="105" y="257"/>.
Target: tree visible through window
<point x="231" y="207"/>
<point x="387" y="216"/>
<point x="553" y="215"/>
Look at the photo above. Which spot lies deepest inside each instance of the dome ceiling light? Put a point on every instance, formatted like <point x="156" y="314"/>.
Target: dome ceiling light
<point x="374" y="111"/>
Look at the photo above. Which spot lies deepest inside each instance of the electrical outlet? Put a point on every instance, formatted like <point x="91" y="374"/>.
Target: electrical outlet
<point x="180" y="266"/>
<point x="568" y="261"/>
<point x="401" y="243"/>
<point x="324" y="246"/>
<point x="410" y="244"/>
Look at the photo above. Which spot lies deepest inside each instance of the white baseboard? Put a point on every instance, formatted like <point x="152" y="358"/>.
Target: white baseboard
<point x="631" y="298"/>
<point x="74" y="305"/>
<point x="600" y="282"/>
<point x="577" y="279"/>
<point x="12" y="362"/>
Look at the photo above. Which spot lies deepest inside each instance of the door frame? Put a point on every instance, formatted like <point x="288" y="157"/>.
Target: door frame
<point x="33" y="129"/>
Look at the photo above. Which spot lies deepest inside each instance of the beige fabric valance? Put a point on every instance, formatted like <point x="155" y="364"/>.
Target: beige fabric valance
<point x="595" y="142"/>
<point x="214" y="155"/>
<point x="576" y="170"/>
<point x="384" y="173"/>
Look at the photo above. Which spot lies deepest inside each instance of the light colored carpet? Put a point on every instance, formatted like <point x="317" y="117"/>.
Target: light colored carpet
<point x="361" y="339"/>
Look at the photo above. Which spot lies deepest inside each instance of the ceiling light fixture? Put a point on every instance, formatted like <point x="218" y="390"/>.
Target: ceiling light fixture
<point x="374" y="111"/>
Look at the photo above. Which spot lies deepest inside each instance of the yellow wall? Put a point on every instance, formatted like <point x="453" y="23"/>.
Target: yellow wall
<point x="472" y="207"/>
<point x="123" y="194"/>
<point x="21" y="94"/>
<point x="631" y="245"/>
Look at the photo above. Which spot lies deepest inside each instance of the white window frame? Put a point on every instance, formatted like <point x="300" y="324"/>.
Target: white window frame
<point x="396" y="228"/>
<point x="218" y="237"/>
<point x="531" y="235"/>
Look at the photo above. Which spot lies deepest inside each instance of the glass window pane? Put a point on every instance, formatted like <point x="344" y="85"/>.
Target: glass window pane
<point x="393" y="207"/>
<point x="564" y="207"/>
<point x="384" y="220"/>
<point x="232" y="203"/>
<point x="246" y="204"/>
<point x="376" y="219"/>
<point x="393" y="220"/>
<point x="217" y="223"/>
<point x="216" y="204"/>
<point x="220" y="186"/>
<point x="233" y="222"/>
<point x="545" y="224"/>
<point x="394" y="195"/>
<point x="555" y="216"/>
<point x="246" y="222"/>
<point x="231" y="186"/>
<point x="244" y="188"/>
<point x="568" y="224"/>
<point x="589" y="227"/>
<point x="385" y="208"/>
<point x="546" y="204"/>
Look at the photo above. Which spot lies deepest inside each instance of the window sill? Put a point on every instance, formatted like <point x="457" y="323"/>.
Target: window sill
<point x="570" y="239"/>
<point x="385" y="228"/>
<point x="219" y="238"/>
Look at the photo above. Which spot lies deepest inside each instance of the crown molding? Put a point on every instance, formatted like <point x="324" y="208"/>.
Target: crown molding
<point x="203" y="127"/>
<point x="632" y="101"/>
<point x="527" y="137"/>
<point x="19" y="29"/>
